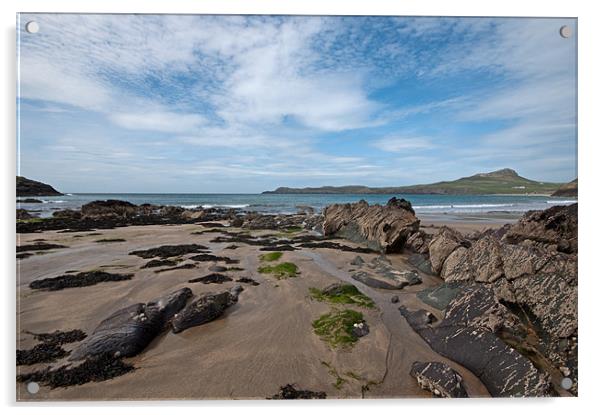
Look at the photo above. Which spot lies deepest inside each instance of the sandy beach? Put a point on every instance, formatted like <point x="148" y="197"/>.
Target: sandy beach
<point x="263" y="342"/>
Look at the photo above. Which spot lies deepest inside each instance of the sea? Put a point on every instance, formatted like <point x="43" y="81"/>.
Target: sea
<point x="291" y="203"/>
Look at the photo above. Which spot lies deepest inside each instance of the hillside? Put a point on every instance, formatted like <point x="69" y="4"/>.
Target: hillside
<point x="27" y="187"/>
<point x="567" y="190"/>
<point x="504" y="181"/>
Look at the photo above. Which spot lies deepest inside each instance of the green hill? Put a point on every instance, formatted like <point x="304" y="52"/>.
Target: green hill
<point x="504" y="181"/>
<point x="28" y="187"/>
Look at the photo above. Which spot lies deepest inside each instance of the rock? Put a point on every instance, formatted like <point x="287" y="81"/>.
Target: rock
<point x="439" y="378"/>
<point x="28" y="187"/>
<point x="384" y="228"/>
<point x="400" y="204"/>
<point x="337" y="246"/>
<point x="357" y="261"/>
<point x="442" y="245"/>
<point x="168" y="251"/>
<point x="396" y="280"/>
<point x="82" y="279"/>
<point x="118" y="208"/>
<point x="395" y="299"/>
<point x="555" y="228"/>
<point x="160" y="263"/>
<point x="23" y="214"/>
<point x="421" y="262"/>
<point x="360" y="329"/>
<point x="128" y="331"/>
<point x="467" y="335"/>
<point x="418" y="318"/>
<point x="210" y="257"/>
<point x="214" y="278"/>
<point x="29" y="200"/>
<point x="569" y="189"/>
<point x="439" y="297"/>
<point x="39" y="246"/>
<point x="247" y="280"/>
<point x="289" y="392"/>
<point x="206" y="308"/>
<point x="67" y="213"/>
<point x="237" y="222"/>
<point x="418" y="242"/>
<point x="172" y="211"/>
<point x="40" y="353"/>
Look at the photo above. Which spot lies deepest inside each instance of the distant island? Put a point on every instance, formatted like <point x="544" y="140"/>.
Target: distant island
<point x="504" y="181"/>
<point x="28" y="187"/>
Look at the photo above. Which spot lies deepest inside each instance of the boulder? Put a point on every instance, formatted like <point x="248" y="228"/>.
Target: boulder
<point x="419" y="242"/>
<point x="383" y="228"/>
<point x="394" y="280"/>
<point x="23" y="214"/>
<point x="554" y="228"/>
<point x="116" y="208"/>
<point x="28" y="187"/>
<point x="206" y="308"/>
<point x="128" y="331"/>
<point x="445" y="242"/>
<point x="439" y="378"/>
<point x="67" y="213"/>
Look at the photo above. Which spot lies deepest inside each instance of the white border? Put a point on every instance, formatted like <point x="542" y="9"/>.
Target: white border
<point x="589" y="151"/>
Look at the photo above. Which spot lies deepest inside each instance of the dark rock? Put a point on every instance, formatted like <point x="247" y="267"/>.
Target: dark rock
<point x="39" y="246"/>
<point x="28" y="187"/>
<point x="357" y="261"/>
<point x="439" y="378"/>
<point x="439" y="297"/>
<point x="289" y="392"/>
<point x="212" y="225"/>
<point x="421" y="262"/>
<point x="83" y="279"/>
<point x="384" y="228"/>
<point x="213" y="278"/>
<point x="93" y="369"/>
<point x="167" y="251"/>
<point x="60" y="337"/>
<point x="24" y="255"/>
<point x="337" y="246"/>
<point x="67" y="213"/>
<point x="29" y="200"/>
<point x="273" y="248"/>
<point x="360" y="329"/>
<point x="214" y="258"/>
<point x="128" y="331"/>
<point x="119" y="208"/>
<point x="206" y="308"/>
<point x="159" y="263"/>
<point x="247" y="280"/>
<point x="418" y="318"/>
<point x="400" y="204"/>
<point x="393" y="281"/>
<point x="395" y="299"/>
<point x="23" y="214"/>
<point x="237" y="222"/>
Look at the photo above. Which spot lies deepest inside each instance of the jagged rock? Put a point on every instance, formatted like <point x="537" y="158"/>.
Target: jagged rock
<point x="439" y="378"/>
<point x="422" y="262"/>
<point x="442" y="245"/>
<point x="384" y="228"/>
<point x="205" y="309"/>
<point x="213" y="278"/>
<point x="171" y="211"/>
<point x="467" y="336"/>
<point x="419" y="242"/>
<point x="28" y="187"/>
<point x="128" y="331"/>
<point x="360" y="329"/>
<point x="289" y="392"/>
<point x="119" y="208"/>
<point x="237" y="222"/>
<point x="555" y="228"/>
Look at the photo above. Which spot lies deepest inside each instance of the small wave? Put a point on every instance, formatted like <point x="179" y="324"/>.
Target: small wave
<point x="190" y="206"/>
<point x="225" y="206"/>
<point x="561" y="202"/>
<point x="53" y="201"/>
<point x="484" y="205"/>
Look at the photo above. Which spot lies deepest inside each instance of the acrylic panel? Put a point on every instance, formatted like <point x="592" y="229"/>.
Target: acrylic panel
<point x="295" y="207"/>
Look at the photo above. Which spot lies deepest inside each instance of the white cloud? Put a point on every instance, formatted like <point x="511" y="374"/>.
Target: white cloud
<point x="398" y="144"/>
<point x="168" y="122"/>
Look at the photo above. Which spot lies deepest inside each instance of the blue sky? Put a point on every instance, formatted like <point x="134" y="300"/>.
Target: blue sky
<point x="232" y="104"/>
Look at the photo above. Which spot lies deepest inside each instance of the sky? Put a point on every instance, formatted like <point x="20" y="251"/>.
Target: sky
<point x="243" y="104"/>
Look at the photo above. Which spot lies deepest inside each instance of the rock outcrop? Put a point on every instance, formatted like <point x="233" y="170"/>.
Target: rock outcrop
<point x="567" y="190"/>
<point x="119" y="208"/>
<point x="439" y="378"/>
<point x="27" y="187"/>
<point x="382" y="228"/>
<point x="206" y="308"/>
<point x="128" y="331"/>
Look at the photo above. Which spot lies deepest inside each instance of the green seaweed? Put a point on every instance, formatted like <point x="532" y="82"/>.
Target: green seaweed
<point x="345" y="294"/>
<point x="271" y="256"/>
<point x="336" y="327"/>
<point x="280" y="271"/>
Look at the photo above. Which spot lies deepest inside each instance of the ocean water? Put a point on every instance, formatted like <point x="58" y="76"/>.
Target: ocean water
<point x="290" y="203"/>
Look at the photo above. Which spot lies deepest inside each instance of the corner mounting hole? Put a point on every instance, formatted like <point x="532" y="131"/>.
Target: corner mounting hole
<point x="566" y="32"/>
<point x="32" y="27"/>
<point x="33" y="387"/>
<point x="566" y="383"/>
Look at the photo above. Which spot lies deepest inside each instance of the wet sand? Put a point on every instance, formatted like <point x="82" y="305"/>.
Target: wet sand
<point x="263" y="342"/>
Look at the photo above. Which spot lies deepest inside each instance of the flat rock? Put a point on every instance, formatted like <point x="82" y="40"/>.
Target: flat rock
<point x="439" y="378"/>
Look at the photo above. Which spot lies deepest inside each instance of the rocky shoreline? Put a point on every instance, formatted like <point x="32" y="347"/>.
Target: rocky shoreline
<point x="497" y="308"/>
